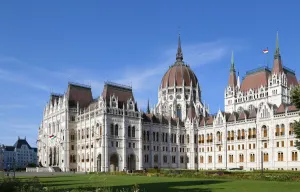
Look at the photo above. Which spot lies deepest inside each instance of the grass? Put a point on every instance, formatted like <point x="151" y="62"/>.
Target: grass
<point x="166" y="184"/>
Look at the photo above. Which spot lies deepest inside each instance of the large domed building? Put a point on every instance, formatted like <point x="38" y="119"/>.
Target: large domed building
<point x="179" y="92"/>
<point x="108" y="133"/>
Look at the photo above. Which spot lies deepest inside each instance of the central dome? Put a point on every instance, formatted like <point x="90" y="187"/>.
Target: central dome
<point x="179" y="74"/>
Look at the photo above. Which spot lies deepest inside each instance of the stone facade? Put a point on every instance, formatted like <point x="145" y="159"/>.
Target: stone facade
<point x="109" y="133"/>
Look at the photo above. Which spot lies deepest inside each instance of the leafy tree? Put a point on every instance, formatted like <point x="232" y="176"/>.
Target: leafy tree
<point x="295" y="97"/>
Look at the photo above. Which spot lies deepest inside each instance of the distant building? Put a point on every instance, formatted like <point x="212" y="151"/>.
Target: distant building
<point x="1" y="158"/>
<point x="19" y="155"/>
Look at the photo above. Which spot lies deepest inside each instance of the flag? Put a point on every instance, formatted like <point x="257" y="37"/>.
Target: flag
<point x="266" y="51"/>
<point x="52" y="137"/>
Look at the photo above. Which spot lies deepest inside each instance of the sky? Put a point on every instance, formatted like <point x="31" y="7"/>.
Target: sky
<point x="46" y="44"/>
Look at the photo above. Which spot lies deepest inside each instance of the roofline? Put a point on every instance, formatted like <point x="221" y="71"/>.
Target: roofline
<point x="79" y="85"/>
<point x="106" y="83"/>
<point x="263" y="68"/>
<point x="289" y="70"/>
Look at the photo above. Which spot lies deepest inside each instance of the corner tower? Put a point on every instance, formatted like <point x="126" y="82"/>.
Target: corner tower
<point x="232" y="88"/>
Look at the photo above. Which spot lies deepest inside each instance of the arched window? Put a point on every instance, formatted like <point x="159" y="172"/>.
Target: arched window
<point x="266" y="157"/>
<point x="219" y="136"/>
<point x="241" y="158"/>
<point x="178" y="112"/>
<point x="188" y="138"/>
<point x="153" y="136"/>
<point x="249" y="133"/>
<point x="111" y="129"/>
<point x="294" y="156"/>
<point x="232" y="135"/>
<point x="280" y="156"/>
<point x="228" y="135"/>
<point x="155" y="158"/>
<point x="291" y="131"/>
<point x="252" y="157"/>
<point x="277" y="130"/>
<point x="282" y="130"/>
<point x="201" y="159"/>
<point x="265" y="131"/>
<point x="116" y="130"/>
<point x="133" y="131"/>
<point x="254" y="133"/>
<point x="239" y="135"/>
<point x="240" y="109"/>
<point x="251" y="107"/>
<point x="243" y="133"/>
<point x="114" y="103"/>
<point x="129" y="131"/>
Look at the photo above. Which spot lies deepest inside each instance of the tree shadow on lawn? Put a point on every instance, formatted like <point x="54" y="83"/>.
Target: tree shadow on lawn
<point x="186" y="186"/>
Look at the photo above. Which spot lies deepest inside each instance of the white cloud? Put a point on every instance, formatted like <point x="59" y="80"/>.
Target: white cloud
<point x="194" y="55"/>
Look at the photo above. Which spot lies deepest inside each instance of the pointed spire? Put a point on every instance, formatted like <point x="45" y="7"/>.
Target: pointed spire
<point x="179" y="55"/>
<point x="232" y="76"/>
<point x="148" y="107"/>
<point x="277" y="52"/>
<point x="232" y="68"/>
<point x="277" y="65"/>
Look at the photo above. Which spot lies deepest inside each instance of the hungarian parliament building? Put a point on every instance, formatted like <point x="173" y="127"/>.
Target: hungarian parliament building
<point x="110" y="133"/>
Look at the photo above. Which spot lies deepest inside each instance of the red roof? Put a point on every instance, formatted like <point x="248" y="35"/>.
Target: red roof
<point x="79" y="93"/>
<point x="121" y="92"/>
<point x="255" y="79"/>
<point x="176" y="74"/>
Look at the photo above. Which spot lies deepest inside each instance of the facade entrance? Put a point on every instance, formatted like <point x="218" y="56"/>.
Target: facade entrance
<point x="99" y="163"/>
<point x="131" y="161"/>
<point x="114" y="163"/>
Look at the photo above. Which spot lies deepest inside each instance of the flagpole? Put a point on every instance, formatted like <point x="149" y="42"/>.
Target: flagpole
<point x="268" y="58"/>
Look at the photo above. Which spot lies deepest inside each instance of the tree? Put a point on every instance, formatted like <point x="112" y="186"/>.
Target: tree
<point x="295" y="98"/>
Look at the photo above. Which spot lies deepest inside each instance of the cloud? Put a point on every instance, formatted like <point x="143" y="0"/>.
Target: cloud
<point x="22" y="79"/>
<point x="195" y="55"/>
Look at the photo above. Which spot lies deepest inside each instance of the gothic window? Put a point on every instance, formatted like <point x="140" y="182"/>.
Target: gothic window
<point x="219" y="158"/>
<point x="114" y="103"/>
<point x="266" y="157"/>
<point x="241" y="156"/>
<point x="294" y="156"/>
<point x="179" y="112"/>
<point x="133" y="131"/>
<point x="155" y="158"/>
<point x="277" y="130"/>
<point x="252" y="157"/>
<point x="111" y="129"/>
<point x="116" y="130"/>
<point x="291" y="131"/>
<point x="282" y="130"/>
<point x="130" y="106"/>
<point x="280" y="156"/>
<point x="129" y="131"/>
<point x="264" y="131"/>
<point x="251" y="107"/>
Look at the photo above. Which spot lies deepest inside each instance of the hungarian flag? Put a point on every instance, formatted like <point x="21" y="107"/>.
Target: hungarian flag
<point x="52" y="137"/>
<point x="266" y="51"/>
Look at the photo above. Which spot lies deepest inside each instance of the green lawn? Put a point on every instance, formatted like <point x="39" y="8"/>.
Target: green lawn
<point x="166" y="184"/>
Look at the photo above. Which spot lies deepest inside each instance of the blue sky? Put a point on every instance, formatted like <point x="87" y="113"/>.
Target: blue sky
<point x="45" y="44"/>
